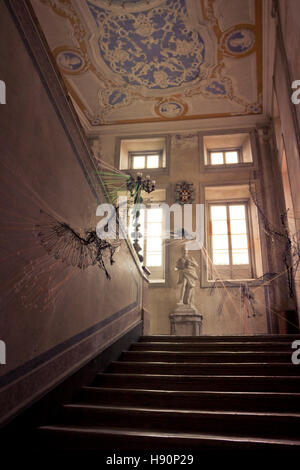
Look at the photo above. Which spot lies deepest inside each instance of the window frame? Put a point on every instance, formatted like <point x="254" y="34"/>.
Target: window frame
<point x="166" y="146"/>
<point x="146" y="154"/>
<point x="231" y="132"/>
<point x="231" y="266"/>
<point x="223" y="150"/>
<point x="163" y="267"/>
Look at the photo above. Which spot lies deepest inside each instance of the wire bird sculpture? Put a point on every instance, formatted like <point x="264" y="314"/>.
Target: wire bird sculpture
<point x="62" y="242"/>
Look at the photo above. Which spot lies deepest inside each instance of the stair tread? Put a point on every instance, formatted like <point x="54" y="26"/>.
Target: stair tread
<point x="218" y="353"/>
<point x="193" y="392"/>
<point x="254" y="335"/>
<point x="212" y="364"/>
<point x="196" y="343"/>
<point x="180" y="411"/>
<point x="91" y="430"/>
<point x="286" y="337"/>
<point x="212" y="376"/>
<point x="181" y="398"/>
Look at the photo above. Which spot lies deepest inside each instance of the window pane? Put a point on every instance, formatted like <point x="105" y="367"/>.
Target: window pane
<point x="154" y="244"/>
<point x="231" y="157"/>
<point x="240" y="257"/>
<point x="138" y="162"/>
<point x="219" y="227"/>
<point x="154" y="259"/>
<point x="216" y="158"/>
<point x="221" y="257"/>
<point x="237" y="251"/>
<point x="154" y="215"/>
<point x="239" y="241"/>
<point x="220" y="242"/>
<point x="238" y="226"/>
<point x="152" y="161"/>
<point x="237" y="212"/>
<point x="154" y="229"/>
<point x="218" y="212"/>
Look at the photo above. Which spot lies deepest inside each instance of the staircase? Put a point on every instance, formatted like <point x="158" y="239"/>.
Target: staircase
<point x="195" y="393"/>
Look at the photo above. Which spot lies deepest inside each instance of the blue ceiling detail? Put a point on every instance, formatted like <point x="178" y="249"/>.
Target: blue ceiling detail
<point x="156" y="48"/>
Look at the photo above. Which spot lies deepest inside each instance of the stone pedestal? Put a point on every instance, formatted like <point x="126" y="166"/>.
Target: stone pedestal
<point x="185" y="321"/>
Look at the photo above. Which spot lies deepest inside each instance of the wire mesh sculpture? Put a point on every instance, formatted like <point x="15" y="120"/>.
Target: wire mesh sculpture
<point x="64" y="243"/>
<point x="291" y="251"/>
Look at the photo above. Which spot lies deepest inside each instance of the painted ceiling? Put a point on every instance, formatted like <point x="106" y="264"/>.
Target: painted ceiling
<point x="129" y="61"/>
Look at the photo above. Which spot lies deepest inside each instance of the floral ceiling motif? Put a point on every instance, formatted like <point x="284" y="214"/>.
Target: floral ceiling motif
<point x="154" y="49"/>
<point x="149" y="60"/>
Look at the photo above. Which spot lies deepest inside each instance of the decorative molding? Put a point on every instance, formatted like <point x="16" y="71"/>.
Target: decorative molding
<point x="265" y="134"/>
<point x="168" y="127"/>
<point x="269" y="46"/>
<point x="65" y="345"/>
<point x="29" y="387"/>
<point x="172" y="74"/>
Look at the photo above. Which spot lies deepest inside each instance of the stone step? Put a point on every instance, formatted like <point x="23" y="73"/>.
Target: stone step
<point x="281" y="425"/>
<point x="212" y="346"/>
<point x="209" y="356"/>
<point x="208" y="338"/>
<point x="78" y="438"/>
<point x="245" y="368"/>
<point x="236" y="383"/>
<point x="193" y="400"/>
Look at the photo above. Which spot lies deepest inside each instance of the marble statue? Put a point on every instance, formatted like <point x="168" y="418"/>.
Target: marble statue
<point x="187" y="269"/>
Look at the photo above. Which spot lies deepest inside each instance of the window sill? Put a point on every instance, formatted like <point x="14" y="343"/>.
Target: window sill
<point x="149" y="171"/>
<point x="232" y="283"/>
<point x="227" y="167"/>
<point x="157" y="283"/>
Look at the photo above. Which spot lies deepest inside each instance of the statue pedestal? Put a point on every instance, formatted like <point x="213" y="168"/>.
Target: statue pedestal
<point x="185" y="321"/>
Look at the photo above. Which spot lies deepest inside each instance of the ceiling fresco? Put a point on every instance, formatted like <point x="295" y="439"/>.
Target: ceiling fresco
<point x="130" y="61"/>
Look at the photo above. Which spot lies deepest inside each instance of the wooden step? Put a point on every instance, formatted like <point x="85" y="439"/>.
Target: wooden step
<point x="102" y="439"/>
<point x="283" y="425"/>
<point x="193" y="400"/>
<point x="241" y="383"/>
<point x="211" y="356"/>
<point x="245" y="368"/>
<point x="212" y="346"/>
<point x="208" y="338"/>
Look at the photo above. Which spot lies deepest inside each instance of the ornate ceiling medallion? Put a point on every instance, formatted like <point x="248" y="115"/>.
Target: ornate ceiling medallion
<point x="239" y="41"/>
<point x="70" y="60"/>
<point x="155" y="49"/>
<point x="171" y="108"/>
<point x="128" y="5"/>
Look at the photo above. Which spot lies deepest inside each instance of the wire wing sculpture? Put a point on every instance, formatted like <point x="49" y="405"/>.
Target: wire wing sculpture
<point x="64" y="243"/>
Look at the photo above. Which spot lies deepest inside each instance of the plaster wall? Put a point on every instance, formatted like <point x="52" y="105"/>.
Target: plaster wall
<point x="53" y="317"/>
<point x="290" y="24"/>
<point x="222" y="309"/>
<point x="286" y="114"/>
